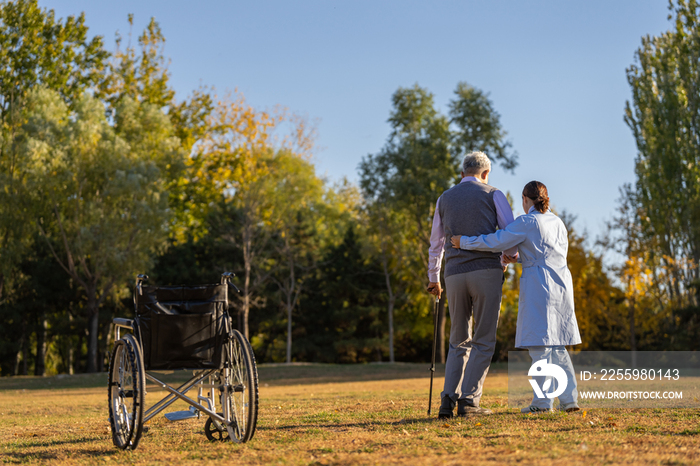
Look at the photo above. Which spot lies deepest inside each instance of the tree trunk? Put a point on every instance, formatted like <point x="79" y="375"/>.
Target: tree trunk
<point x="93" y="330"/>
<point x="695" y="297"/>
<point x="289" y="332"/>
<point x="245" y="312"/>
<point x="633" y="336"/>
<point x="21" y="363"/>
<point x="40" y="359"/>
<point x="392" y="301"/>
<point x="391" y="329"/>
<point x="25" y="355"/>
<point x="71" y="349"/>
<point x="18" y="359"/>
<point x="78" y="355"/>
<point x="71" y="358"/>
<point x="247" y="265"/>
<point x="291" y="301"/>
<point x="103" y="345"/>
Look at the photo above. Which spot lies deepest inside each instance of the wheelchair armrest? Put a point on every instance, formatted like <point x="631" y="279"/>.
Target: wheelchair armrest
<point x="122" y="322"/>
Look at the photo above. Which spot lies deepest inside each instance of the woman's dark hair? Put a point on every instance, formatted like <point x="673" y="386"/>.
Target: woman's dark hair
<point x="537" y="192"/>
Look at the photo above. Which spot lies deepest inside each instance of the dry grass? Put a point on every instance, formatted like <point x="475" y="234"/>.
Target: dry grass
<point x="372" y="414"/>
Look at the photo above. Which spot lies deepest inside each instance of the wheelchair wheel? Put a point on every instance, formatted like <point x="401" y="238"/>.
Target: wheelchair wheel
<point x="215" y="433"/>
<point x="240" y="402"/>
<point x="127" y="384"/>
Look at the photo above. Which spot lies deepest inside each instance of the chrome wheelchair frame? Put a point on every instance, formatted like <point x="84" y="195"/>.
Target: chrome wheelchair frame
<point x="228" y="382"/>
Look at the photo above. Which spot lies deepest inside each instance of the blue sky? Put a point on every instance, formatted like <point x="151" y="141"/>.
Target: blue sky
<point x="555" y="71"/>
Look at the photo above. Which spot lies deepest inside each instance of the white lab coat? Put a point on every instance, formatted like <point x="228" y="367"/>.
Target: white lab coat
<point x="546" y="305"/>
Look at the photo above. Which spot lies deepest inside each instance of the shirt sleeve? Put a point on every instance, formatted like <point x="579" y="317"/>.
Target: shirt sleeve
<point x="437" y="246"/>
<point x="504" y="216"/>
<point x="507" y="238"/>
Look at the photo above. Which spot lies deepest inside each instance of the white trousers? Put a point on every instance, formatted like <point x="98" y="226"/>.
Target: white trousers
<point x="559" y="356"/>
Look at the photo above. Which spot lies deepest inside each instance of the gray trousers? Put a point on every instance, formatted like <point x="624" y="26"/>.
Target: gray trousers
<point x="476" y="294"/>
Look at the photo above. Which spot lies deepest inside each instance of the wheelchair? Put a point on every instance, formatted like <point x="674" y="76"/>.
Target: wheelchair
<point x="182" y="327"/>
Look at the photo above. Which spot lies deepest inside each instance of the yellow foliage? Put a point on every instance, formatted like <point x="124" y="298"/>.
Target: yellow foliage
<point x="637" y="277"/>
<point x="597" y="310"/>
<point x="233" y="155"/>
<point x="230" y="156"/>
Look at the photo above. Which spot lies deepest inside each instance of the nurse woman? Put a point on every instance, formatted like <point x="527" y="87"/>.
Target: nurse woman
<point x="546" y="318"/>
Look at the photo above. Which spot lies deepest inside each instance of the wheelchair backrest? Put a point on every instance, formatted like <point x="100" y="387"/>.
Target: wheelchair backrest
<point x="182" y="327"/>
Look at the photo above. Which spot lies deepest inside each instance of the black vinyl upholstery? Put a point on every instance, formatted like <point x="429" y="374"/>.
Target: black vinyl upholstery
<point x="182" y="327"/>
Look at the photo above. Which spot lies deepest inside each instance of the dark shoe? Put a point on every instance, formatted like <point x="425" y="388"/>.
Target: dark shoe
<point x="569" y="407"/>
<point x="466" y="409"/>
<point x="446" y="408"/>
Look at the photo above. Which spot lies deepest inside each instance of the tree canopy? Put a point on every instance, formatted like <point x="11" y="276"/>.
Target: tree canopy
<point x="106" y="172"/>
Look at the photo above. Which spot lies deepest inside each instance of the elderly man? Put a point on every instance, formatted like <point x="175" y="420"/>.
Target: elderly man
<point x="473" y="281"/>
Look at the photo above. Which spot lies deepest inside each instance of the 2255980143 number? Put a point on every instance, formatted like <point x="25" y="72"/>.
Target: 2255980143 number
<point x="639" y="374"/>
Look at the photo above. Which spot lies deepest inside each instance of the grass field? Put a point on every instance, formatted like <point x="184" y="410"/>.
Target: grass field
<point x="319" y="414"/>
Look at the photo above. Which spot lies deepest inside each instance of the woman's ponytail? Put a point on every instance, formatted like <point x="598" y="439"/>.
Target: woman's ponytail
<point x="537" y="192"/>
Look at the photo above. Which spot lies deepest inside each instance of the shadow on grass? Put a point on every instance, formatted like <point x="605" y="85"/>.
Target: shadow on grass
<point x="403" y="422"/>
<point x="304" y="373"/>
<point x="428" y="420"/>
<point x="307" y="374"/>
<point x="24" y="457"/>
<point x="29" y="453"/>
<point x="269" y="375"/>
<point x="58" y="382"/>
<point x="349" y="425"/>
<point x="55" y="443"/>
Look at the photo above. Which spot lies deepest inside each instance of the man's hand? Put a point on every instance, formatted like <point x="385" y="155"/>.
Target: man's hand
<point x="455" y="241"/>
<point x="506" y="259"/>
<point x="435" y="289"/>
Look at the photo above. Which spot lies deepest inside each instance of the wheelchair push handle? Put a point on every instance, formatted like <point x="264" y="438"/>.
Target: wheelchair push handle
<point x="226" y="278"/>
<point x="140" y="278"/>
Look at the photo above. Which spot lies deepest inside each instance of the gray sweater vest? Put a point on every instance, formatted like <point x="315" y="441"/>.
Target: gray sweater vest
<point x="468" y="209"/>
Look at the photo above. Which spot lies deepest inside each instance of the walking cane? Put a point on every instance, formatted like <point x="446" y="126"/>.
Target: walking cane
<point x="432" y="366"/>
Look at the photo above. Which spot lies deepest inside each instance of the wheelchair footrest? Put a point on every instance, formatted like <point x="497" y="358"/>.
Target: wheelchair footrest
<point x="180" y="415"/>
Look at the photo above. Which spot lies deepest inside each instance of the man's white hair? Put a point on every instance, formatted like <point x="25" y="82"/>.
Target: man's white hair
<point x="475" y="163"/>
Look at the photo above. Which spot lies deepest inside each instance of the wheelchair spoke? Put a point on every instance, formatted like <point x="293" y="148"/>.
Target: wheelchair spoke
<point x="125" y="418"/>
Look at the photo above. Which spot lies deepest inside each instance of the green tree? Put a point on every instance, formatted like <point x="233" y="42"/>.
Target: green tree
<point x="419" y="161"/>
<point x="342" y="318"/>
<point x="391" y="245"/>
<point x="298" y="221"/>
<point x="36" y="316"/>
<point x="404" y="179"/>
<point x="98" y="191"/>
<point x="141" y="73"/>
<point x="664" y="116"/>
<point x="35" y="49"/>
<point x="228" y="169"/>
<point x="231" y="169"/>
<point x="599" y="314"/>
<point x="478" y="126"/>
<point x="416" y="164"/>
